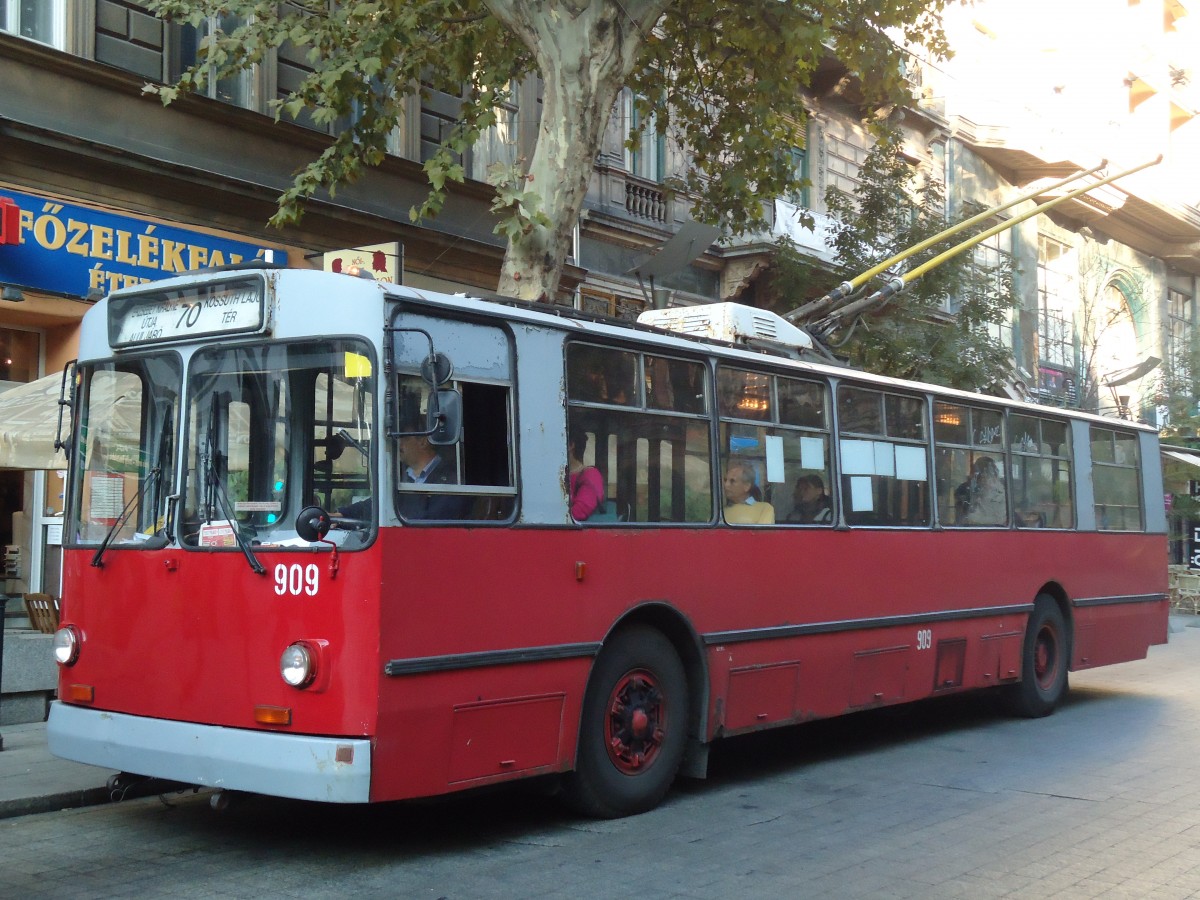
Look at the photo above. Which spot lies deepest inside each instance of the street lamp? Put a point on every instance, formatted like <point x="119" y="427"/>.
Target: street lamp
<point x="1113" y="380"/>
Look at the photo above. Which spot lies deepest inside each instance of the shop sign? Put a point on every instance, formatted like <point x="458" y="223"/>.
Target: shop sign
<point x="384" y="262"/>
<point x="69" y="249"/>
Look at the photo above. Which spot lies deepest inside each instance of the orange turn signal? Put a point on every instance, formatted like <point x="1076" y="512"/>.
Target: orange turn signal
<point x="272" y="715"/>
<point x="79" y="693"/>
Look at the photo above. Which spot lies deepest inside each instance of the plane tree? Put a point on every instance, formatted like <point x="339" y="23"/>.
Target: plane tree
<point x="725" y="79"/>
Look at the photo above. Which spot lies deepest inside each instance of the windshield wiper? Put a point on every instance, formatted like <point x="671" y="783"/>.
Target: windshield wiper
<point x="135" y="501"/>
<point x="215" y="496"/>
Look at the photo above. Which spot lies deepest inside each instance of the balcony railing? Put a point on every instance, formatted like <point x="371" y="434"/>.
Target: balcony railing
<point x="645" y="200"/>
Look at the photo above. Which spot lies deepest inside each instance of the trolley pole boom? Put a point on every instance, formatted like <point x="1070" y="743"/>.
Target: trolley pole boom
<point x="848" y="287"/>
<point x="827" y="325"/>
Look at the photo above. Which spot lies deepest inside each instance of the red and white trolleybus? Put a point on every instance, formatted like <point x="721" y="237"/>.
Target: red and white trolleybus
<point x="320" y="543"/>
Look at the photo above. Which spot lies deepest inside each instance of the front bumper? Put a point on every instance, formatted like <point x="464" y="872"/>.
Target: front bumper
<point x="328" y="770"/>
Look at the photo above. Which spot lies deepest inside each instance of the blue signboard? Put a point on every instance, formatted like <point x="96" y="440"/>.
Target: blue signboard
<point x="74" y="250"/>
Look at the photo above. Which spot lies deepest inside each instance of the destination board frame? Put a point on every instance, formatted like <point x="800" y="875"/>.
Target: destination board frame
<point x="165" y="315"/>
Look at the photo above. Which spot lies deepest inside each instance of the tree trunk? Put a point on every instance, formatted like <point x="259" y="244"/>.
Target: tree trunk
<point x="584" y="50"/>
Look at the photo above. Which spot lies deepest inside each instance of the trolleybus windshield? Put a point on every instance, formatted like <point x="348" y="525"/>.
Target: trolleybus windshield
<point x="273" y="428"/>
<point x="124" y="459"/>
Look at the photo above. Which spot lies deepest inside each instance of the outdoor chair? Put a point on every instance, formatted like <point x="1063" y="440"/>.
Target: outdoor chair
<point x="42" y="610"/>
<point x="1185" y="593"/>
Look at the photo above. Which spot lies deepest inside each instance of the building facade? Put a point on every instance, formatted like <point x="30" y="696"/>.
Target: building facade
<point x="1109" y="281"/>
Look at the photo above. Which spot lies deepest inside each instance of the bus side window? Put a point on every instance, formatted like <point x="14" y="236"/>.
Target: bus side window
<point x="884" y="458"/>
<point x="451" y="482"/>
<point x="485" y="452"/>
<point x="774" y="434"/>
<point x="1118" y="500"/>
<point x="809" y="491"/>
<point x="475" y="477"/>
<point x="1041" y="471"/>
<point x="745" y="398"/>
<point x="970" y="466"/>
<point x="649" y="437"/>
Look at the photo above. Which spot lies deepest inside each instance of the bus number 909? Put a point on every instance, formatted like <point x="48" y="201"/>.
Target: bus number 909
<point x="296" y="579"/>
<point x="924" y="638"/>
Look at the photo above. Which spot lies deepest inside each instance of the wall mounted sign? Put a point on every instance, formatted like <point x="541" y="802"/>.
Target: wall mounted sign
<point x="384" y="262"/>
<point x="70" y="249"/>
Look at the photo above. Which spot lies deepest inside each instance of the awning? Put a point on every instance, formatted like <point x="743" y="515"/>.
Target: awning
<point x="1190" y="458"/>
<point x="29" y="425"/>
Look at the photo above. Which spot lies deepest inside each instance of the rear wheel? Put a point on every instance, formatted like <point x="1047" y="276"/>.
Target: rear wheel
<point x="1044" y="662"/>
<point x="634" y="727"/>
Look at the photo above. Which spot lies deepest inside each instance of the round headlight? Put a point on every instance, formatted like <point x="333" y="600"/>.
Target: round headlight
<point x="298" y="665"/>
<point x="66" y="645"/>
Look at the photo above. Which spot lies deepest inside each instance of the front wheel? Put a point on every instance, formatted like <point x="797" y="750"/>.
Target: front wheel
<point x="1044" y="662"/>
<point x="634" y="727"/>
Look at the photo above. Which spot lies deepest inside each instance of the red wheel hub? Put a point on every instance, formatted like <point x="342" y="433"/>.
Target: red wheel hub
<point x="634" y="725"/>
<point x="1045" y="657"/>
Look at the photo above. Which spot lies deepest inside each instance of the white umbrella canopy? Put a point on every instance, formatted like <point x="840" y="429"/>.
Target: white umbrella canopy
<point x="29" y="425"/>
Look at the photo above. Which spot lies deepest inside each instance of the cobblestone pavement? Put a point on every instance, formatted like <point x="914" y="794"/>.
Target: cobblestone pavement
<point x="950" y="799"/>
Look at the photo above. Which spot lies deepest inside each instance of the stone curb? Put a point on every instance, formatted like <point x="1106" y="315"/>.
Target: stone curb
<point x="28" y="806"/>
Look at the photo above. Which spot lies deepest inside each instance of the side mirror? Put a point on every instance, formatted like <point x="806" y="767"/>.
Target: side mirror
<point x="436" y="368"/>
<point x="444" y="419"/>
<point x="313" y="524"/>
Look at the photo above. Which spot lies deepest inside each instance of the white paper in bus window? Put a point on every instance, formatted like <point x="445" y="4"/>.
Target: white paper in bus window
<point x="812" y="453"/>
<point x="108" y="496"/>
<point x="910" y="463"/>
<point x="885" y="458"/>
<point x="775" y="458"/>
<point x="858" y="458"/>
<point x="861" y="498"/>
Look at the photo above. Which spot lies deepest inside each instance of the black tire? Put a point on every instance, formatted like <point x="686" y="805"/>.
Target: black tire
<point x="634" y="727"/>
<point x="1045" y="659"/>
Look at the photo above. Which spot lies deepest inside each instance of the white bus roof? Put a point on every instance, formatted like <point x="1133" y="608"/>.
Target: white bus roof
<point x="646" y="332"/>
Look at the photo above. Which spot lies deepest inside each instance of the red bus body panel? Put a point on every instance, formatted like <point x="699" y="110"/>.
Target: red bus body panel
<point x="203" y="640"/>
<point x="788" y="625"/>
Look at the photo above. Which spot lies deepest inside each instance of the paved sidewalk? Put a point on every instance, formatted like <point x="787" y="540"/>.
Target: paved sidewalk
<point x="34" y="781"/>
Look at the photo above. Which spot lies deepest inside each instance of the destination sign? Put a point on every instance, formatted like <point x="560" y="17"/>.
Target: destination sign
<point x="203" y="310"/>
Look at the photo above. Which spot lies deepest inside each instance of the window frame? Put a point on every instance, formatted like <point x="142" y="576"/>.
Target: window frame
<point x="1017" y="456"/>
<point x="641" y="405"/>
<point x="416" y="318"/>
<point x="59" y="15"/>
<point x="249" y="82"/>
<point x="649" y="161"/>
<point x="883" y="435"/>
<point x="975" y="450"/>
<point x="296" y="439"/>
<point x="773" y="421"/>
<point x="1115" y="465"/>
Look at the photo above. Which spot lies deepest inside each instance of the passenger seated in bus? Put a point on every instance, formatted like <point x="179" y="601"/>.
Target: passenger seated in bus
<point x="980" y="499"/>
<point x="421" y="464"/>
<point x="587" y="486"/>
<point x="811" y="504"/>
<point x="1029" y="516"/>
<point x="740" y="506"/>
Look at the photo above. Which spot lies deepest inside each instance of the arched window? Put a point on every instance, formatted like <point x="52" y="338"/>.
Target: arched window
<point x="1114" y="348"/>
